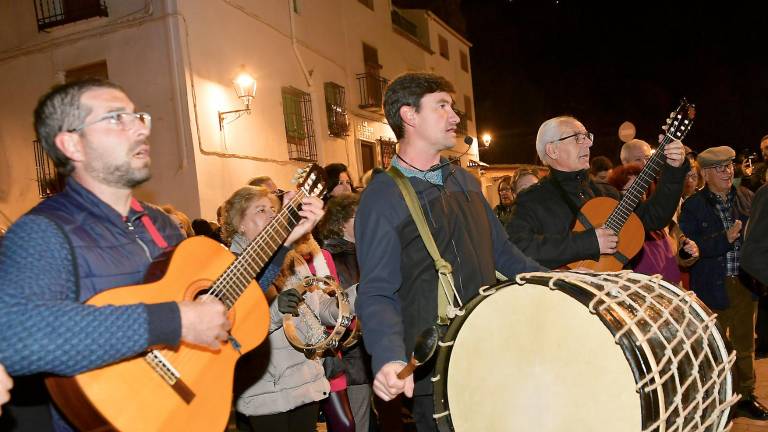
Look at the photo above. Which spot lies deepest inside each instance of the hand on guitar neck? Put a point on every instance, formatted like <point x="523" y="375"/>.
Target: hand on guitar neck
<point x="311" y="212"/>
<point x="607" y="240"/>
<point x="204" y="322"/>
<point x="675" y="153"/>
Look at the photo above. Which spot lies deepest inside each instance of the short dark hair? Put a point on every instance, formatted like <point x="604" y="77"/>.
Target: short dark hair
<point x="60" y="110"/>
<point x="599" y="164"/>
<point x="339" y="210"/>
<point x="407" y="90"/>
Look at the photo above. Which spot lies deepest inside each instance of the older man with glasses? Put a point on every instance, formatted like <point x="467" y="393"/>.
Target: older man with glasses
<point x="715" y="217"/>
<point x="542" y="221"/>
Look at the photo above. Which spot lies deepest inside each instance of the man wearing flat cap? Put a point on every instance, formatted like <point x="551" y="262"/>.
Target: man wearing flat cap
<point x="714" y="217"/>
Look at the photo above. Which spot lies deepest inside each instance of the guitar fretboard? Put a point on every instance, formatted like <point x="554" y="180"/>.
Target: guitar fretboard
<point x="233" y="282"/>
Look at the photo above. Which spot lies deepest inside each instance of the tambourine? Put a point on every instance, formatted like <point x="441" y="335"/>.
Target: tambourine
<point x="321" y="341"/>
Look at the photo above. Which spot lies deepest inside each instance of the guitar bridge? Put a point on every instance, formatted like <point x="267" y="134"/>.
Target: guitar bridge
<point x="169" y="374"/>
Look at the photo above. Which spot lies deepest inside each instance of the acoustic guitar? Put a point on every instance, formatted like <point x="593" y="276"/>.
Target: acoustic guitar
<point x="188" y="388"/>
<point x="619" y="216"/>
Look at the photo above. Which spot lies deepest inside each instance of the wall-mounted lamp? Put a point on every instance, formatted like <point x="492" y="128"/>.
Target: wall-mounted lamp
<point x="487" y="140"/>
<point x="245" y="87"/>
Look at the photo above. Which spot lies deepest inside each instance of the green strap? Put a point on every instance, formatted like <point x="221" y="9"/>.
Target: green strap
<point x="444" y="270"/>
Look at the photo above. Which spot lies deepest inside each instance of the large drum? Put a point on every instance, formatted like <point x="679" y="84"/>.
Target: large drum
<point x="567" y="351"/>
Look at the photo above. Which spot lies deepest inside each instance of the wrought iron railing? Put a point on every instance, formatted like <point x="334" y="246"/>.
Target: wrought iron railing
<point x="52" y="13"/>
<point x="336" y="110"/>
<point x="49" y="181"/>
<point x="387" y="149"/>
<point x="372" y="87"/>
<point x="299" y="130"/>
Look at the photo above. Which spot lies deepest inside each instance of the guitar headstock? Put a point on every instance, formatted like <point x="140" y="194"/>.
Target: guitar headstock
<point x="311" y="180"/>
<point x="680" y="121"/>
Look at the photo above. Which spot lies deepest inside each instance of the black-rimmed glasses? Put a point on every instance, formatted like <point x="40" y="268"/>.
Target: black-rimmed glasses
<point x="125" y="120"/>
<point x="580" y="137"/>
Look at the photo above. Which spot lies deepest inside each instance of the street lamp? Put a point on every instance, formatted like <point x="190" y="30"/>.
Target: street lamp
<point x="245" y="88"/>
<point x="487" y="139"/>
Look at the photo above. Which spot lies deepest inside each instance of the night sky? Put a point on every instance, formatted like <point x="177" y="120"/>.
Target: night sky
<point x="605" y="63"/>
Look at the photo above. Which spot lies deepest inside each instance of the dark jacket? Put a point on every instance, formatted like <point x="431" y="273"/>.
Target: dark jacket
<point x="397" y="296"/>
<point x="355" y="360"/>
<point x="755" y="247"/>
<point x="701" y="222"/>
<point x="542" y="221"/>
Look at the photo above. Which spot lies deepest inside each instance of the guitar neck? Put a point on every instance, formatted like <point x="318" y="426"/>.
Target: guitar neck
<point x="639" y="187"/>
<point x="233" y="282"/>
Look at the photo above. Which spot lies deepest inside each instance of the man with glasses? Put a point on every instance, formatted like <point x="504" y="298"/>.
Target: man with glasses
<point x="91" y="237"/>
<point x="542" y="222"/>
<point x="714" y="217"/>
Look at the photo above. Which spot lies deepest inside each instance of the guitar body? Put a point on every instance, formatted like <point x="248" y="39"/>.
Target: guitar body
<point x="131" y="394"/>
<point x="631" y="236"/>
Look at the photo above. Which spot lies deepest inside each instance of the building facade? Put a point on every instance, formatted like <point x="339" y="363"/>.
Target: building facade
<point x="320" y="68"/>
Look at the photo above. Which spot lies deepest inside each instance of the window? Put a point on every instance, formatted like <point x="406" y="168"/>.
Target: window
<point x="443" y="43"/>
<point x="93" y="70"/>
<point x="461" y="127"/>
<point x="52" y="13"/>
<point x="336" y="108"/>
<point x="296" y="7"/>
<point x="387" y="149"/>
<point x="299" y="132"/>
<point x="464" y="60"/>
<point x="468" y="107"/>
<point x="367" y="3"/>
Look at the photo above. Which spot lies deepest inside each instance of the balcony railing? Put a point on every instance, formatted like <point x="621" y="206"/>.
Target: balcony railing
<point x="49" y="181"/>
<point x="52" y="13"/>
<point x="387" y="149"/>
<point x="405" y="24"/>
<point x="372" y="88"/>
<point x="461" y="127"/>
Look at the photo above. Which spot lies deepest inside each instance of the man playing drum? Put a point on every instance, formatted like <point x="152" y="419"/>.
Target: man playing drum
<point x="397" y="296"/>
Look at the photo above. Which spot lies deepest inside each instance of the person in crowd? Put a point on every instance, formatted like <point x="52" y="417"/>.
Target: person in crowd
<point x="544" y="214"/>
<point x="600" y="169"/>
<point x="265" y="182"/>
<point x="287" y="393"/>
<point x="339" y="180"/>
<point x="523" y="179"/>
<point x="398" y="291"/>
<point x="92" y="236"/>
<point x="714" y="218"/>
<point x="180" y="219"/>
<point x="206" y="228"/>
<point x="503" y="209"/>
<point x="753" y="254"/>
<point x="368" y="177"/>
<point x="660" y="252"/>
<point x="336" y="230"/>
<point x="6" y="384"/>
<point x="759" y="172"/>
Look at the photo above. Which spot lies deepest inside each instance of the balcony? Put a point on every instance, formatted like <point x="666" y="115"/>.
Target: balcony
<point x="53" y="13"/>
<point x="372" y="87"/>
<point x="404" y="24"/>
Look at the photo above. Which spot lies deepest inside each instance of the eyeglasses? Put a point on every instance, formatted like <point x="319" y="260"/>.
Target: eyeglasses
<point x="124" y="120"/>
<point x="580" y="137"/>
<point x="722" y="168"/>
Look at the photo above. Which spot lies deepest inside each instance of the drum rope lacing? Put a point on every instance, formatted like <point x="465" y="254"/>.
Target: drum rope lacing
<point x="643" y="328"/>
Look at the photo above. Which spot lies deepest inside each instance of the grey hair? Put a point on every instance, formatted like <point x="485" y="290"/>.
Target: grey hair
<point x="550" y="131"/>
<point x="628" y="146"/>
<point x="60" y="110"/>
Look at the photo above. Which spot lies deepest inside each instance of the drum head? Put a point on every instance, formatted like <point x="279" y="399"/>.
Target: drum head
<point x="532" y="359"/>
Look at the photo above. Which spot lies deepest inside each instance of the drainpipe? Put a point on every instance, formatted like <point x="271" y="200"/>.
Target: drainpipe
<point x="295" y="44"/>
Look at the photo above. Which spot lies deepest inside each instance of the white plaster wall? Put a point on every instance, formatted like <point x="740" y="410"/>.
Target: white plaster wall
<point x="137" y="58"/>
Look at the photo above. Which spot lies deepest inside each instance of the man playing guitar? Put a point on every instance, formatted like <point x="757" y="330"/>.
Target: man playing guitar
<point x="91" y="237"/>
<point x="542" y="223"/>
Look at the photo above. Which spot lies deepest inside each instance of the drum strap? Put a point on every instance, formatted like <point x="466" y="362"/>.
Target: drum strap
<point x="445" y="288"/>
